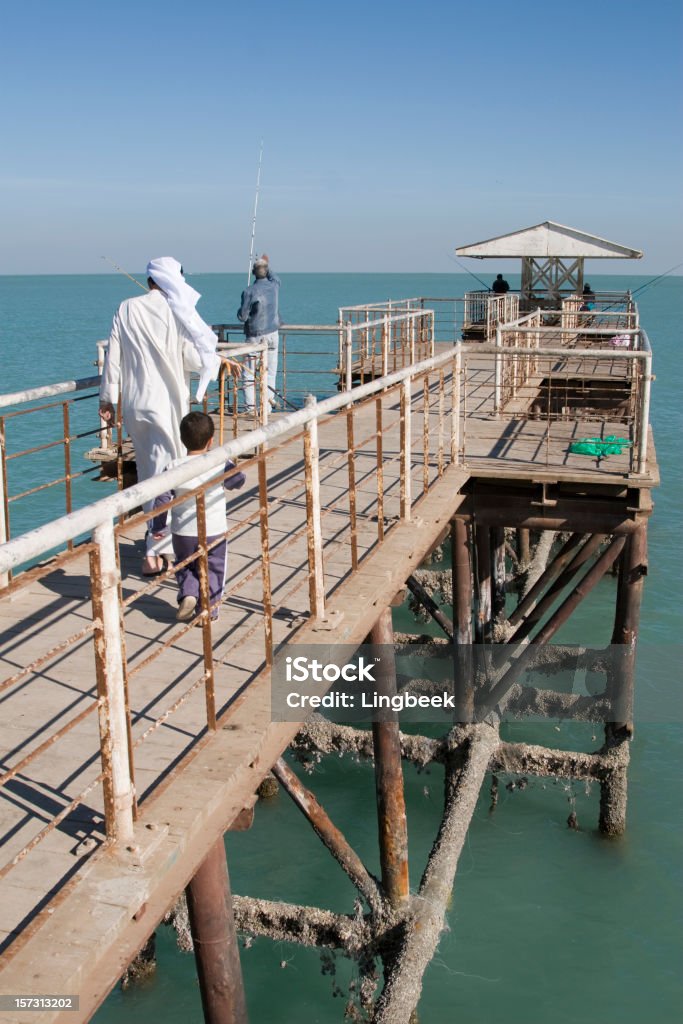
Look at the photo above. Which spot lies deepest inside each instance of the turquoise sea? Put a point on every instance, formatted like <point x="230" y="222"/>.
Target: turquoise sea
<point x="546" y="924"/>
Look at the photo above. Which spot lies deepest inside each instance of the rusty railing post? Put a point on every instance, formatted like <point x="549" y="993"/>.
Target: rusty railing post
<point x="265" y="555"/>
<point x="351" y="464"/>
<point x="385" y="345"/>
<point x="406" y="442"/>
<point x="264" y="405"/>
<point x="455" y="411"/>
<point x="221" y="403"/>
<point x="316" y="571"/>
<point x="380" y="469"/>
<point x="67" y="464"/>
<point x="442" y="388"/>
<point x="207" y="611"/>
<point x="5" y="577"/>
<point x="117" y="785"/>
<point x="348" y="358"/>
<point x="425" y="435"/>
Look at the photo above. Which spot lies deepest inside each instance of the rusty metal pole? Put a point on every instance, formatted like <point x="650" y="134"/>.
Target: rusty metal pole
<point x="428" y="602"/>
<point x="316" y="570"/>
<point x="406" y="435"/>
<point x="461" y="571"/>
<point x="498" y="573"/>
<point x="568" y="573"/>
<point x="632" y="572"/>
<point x="548" y="576"/>
<point x="391" y="808"/>
<point x="461" y="568"/>
<point x="207" y="612"/>
<point x="523" y="546"/>
<point x="482" y="623"/>
<point x="330" y="835"/>
<point x="209" y="902"/>
<point x="5" y="577"/>
<point x="118" y="787"/>
<point x="265" y="555"/>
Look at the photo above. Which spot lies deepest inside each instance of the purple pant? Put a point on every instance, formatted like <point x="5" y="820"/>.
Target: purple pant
<point x="188" y="578"/>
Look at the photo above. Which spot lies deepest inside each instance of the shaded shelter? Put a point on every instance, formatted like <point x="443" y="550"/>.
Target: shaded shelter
<point x="552" y="258"/>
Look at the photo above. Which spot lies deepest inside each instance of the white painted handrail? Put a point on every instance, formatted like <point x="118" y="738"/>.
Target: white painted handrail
<point x="41" y="540"/>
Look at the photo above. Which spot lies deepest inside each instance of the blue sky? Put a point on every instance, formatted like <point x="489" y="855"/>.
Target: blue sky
<point x="392" y="133"/>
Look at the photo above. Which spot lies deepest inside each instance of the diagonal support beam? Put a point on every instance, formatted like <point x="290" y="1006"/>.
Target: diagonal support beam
<point x="430" y="604"/>
<point x="426" y="919"/>
<point x="501" y="692"/>
<point x="565" y="577"/>
<point x="551" y="572"/>
<point x="330" y="835"/>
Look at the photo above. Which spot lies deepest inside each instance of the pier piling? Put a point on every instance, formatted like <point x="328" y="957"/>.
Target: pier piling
<point x="209" y="902"/>
<point x="391" y="810"/>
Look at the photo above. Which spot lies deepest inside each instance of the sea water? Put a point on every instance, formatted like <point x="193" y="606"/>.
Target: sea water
<point x="546" y="924"/>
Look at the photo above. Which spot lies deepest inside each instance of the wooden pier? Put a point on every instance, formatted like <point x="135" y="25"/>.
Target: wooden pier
<point x="132" y="743"/>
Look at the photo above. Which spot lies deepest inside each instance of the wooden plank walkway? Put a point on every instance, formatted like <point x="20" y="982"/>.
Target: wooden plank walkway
<point x="175" y="757"/>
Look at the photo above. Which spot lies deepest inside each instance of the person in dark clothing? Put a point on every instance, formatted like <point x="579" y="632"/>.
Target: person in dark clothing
<point x="588" y="298"/>
<point x="260" y="315"/>
<point x="500" y="285"/>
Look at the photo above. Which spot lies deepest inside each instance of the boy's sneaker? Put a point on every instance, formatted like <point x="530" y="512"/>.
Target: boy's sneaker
<point x="186" y="609"/>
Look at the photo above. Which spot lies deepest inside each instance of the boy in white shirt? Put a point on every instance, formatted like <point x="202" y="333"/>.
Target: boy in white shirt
<point x="196" y="433"/>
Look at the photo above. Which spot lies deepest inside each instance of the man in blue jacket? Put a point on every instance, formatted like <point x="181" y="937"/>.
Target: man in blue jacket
<point x="261" y="318"/>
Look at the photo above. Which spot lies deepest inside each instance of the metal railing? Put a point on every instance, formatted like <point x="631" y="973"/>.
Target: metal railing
<point x="380" y="344"/>
<point x="331" y="481"/>
<point x="615" y="311"/>
<point x="310" y="363"/>
<point x="448" y="314"/>
<point x="307" y="359"/>
<point x="399" y="434"/>
<point x="56" y="420"/>
<point x="554" y="374"/>
<point x="484" y="311"/>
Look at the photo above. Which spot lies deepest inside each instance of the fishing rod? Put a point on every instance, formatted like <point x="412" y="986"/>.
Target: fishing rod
<point x="251" y="259"/>
<point x="468" y="271"/>
<point x="658" y="278"/>
<point x="125" y="274"/>
<point x="282" y="398"/>
<point x="253" y="222"/>
<point x="653" y="280"/>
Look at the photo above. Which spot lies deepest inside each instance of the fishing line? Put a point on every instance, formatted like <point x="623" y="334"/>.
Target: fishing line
<point x="253" y="222"/>
<point x="468" y="271"/>
<point x="658" y="278"/>
<point x="125" y="274"/>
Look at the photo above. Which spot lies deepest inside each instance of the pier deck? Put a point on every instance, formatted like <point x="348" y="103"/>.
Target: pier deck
<point x="73" y="892"/>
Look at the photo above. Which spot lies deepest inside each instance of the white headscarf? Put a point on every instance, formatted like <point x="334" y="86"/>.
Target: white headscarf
<point x="166" y="273"/>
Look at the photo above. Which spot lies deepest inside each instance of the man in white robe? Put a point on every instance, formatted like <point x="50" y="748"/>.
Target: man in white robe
<point x="156" y="340"/>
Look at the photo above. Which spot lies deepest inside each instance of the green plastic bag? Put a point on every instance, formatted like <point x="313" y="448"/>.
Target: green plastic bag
<point x="600" y="447"/>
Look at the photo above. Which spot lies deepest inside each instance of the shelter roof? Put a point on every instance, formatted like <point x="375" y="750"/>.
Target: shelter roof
<point x="548" y="239"/>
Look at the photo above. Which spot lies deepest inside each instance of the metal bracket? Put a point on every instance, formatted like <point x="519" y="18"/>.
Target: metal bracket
<point x="328" y="623"/>
<point x="547" y="501"/>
